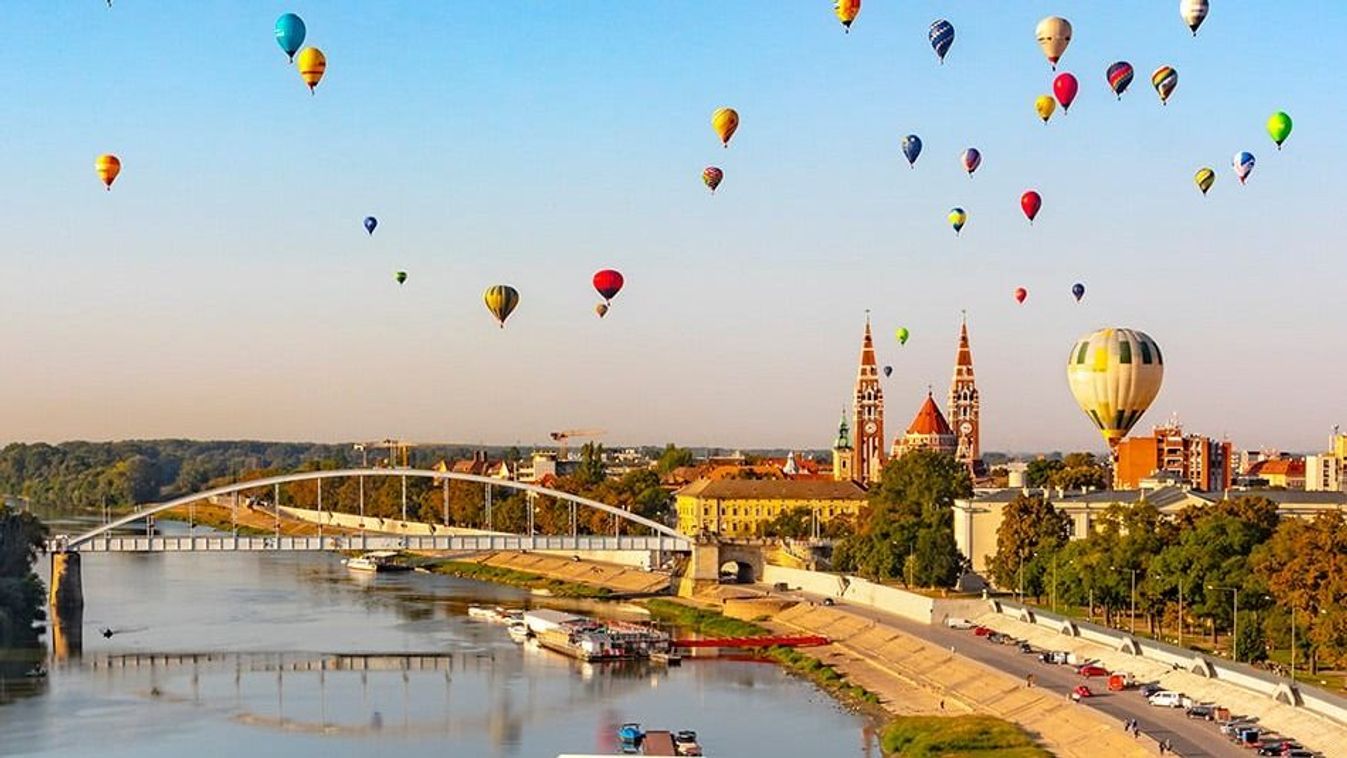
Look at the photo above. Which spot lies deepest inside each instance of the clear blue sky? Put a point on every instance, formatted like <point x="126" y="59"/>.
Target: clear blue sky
<point x="225" y="288"/>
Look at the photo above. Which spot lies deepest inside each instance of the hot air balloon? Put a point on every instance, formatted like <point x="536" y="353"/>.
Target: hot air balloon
<point x="1279" y="127"/>
<point x="311" y="64"/>
<point x="911" y="149"/>
<point x="901" y="334"/>
<point x="711" y="177"/>
<point x="1078" y="290"/>
<point x="290" y="34"/>
<point x="971" y="159"/>
<point x="1114" y="375"/>
<point x="1193" y="13"/>
<point x="1020" y="294"/>
<point x="942" y="37"/>
<point x="1204" y="178"/>
<point x="1030" y="203"/>
<point x="1119" y="77"/>
<point x="1165" y="79"/>
<point x="401" y="276"/>
<point x="370" y="223"/>
<point x="725" y="121"/>
<point x="501" y="300"/>
<point x="107" y="167"/>
<point x="1054" y="34"/>
<point x="1065" y="88"/>
<point x="608" y="282"/>
<point x="601" y="309"/>
<point x="888" y="371"/>
<point x="1243" y="164"/>
<point x="957" y="218"/>
<point x="847" y="10"/>
<point x="1045" y="105"/>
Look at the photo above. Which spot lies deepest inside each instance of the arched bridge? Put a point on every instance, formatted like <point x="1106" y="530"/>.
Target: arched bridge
<point x="380" y="534"/>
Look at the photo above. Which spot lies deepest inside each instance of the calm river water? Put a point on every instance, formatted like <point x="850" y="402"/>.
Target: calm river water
<point x="248" y="655"/>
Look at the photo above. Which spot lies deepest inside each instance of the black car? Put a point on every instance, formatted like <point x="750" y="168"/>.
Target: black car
<point x="1204" y="712"/>
<point x="997" y="637"/>
<point x="1025" y="647"/>
<point x="1149" y="689"/>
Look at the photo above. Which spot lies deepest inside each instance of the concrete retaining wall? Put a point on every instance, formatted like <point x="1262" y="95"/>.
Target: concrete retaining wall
<point x="909" y="605"/>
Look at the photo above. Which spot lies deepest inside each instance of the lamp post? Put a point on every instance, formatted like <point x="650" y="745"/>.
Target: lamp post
<point x="1234" y="627"/>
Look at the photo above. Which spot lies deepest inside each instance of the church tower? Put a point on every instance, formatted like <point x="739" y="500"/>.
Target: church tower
<point x="842" y="452"/>
<point x="964" y="406"/>
<point x="867" y="459"/>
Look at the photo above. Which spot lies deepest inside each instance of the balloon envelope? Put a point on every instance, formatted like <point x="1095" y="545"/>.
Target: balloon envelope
<point x="1193" y="13"/>
<point x="290" y="34"/>
<point x="1165" y="79"/>
<point x="312" y="64"/>
<point x="1020" y="294"/>
<point x="1114" y="375"/>
<point x="107" y="166"/>
<point x="1065" y="88"/>
<point x="901" y="334"/>
<point x="1030" y="203"/>
<point x="608" y="282"/>
<point x="712" y="176"/>
<point x="501" y="300"/>
<point x="888" y="371"/>
<point x="1045" y="105"/>
<point x="1279" y="127"/>
<point x="1243" y="163"/>
<point x="401" y="276"/>
<point x="725" y="121"/>
<point x="601" y="309"/>
<point x="1054" y="34"/>
<point x="942" y="37"/>
<point x="1204" y="178"/>
<point x="1078" y="290"/>
<point x="911" y="149"/>
<point x="957" y="218"/>
<point x="1119" y="77"/>
<point x="847" y="10"/>
<point x="370" y="223"/>
<point x="971" y="159"/>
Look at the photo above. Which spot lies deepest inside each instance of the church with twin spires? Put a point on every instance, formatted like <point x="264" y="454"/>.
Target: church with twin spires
<point x="957" y="433"/>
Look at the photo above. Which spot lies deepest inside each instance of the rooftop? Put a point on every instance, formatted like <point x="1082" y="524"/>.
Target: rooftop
<point x="930" y="420"/>
<point x="773" y="489"/>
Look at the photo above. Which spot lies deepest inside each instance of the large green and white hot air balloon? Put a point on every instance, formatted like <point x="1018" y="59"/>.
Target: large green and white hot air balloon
<point x="1115" y="374"/>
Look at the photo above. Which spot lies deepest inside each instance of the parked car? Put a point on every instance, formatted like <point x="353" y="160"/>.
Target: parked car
<point x="981" y="631"/>
<point x="1053" y="656"/>
<point x="1091" y="670"/>
<point x="1278" y="747"/>
<point x="1025" y="647"/>
<point x="997" y="637"/>
<point x="1148" y="689"/>
<point x="959" y="623"/>
<point x="1081" y="690"/>
<point x="1228" y="728"/>
<point x="1206" y="712"/>
<point x="1248" y="736"/>
<point x="1120" y="680"/>
<point x="1168" y="699"/>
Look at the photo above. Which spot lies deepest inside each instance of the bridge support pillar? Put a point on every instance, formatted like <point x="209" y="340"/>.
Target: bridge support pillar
<point x="703" y="570"/>
<point x="66" y="599"/>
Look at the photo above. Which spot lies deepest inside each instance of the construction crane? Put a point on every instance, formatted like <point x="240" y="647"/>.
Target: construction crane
<point x="563" y="436"/>
<point x="399" y="452"/>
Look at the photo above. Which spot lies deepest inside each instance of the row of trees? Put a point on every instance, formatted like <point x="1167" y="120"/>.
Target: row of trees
<point x="21" y="596"/>
<point x="1186" y="570"/>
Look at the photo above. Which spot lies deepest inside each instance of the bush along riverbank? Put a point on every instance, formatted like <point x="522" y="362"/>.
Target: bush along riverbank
<point x="797" y="662"/>
<point x="973" y="734"/>
<point x="496" y="575"/>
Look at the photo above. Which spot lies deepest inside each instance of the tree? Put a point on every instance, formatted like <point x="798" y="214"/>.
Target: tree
<point x="796" y="523"/>
<point x="21" y="597"/>
<point x="592" y="470"/>
<point x="1080" y="471"/>
<point x="1302" y="565"/>
<point x="1039" y="472"/>
<point x="1030" y="526"/>
<point x="672" y="458"/>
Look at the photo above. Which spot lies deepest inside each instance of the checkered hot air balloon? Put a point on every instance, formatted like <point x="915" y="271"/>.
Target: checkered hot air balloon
<point x="1114" y="375"/>
<point x="942" y="37"/>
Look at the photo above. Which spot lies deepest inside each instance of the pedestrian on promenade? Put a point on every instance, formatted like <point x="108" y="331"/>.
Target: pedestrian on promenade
<point x="942" y="705"/>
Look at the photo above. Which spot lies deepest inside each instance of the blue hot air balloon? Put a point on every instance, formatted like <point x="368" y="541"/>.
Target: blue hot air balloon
<point x="290" y="34"/>
<point x="1078" y="290"/>
<point x="911" y="149"/>
<point x="942" y="37"/>
<point x="370" y="223"/>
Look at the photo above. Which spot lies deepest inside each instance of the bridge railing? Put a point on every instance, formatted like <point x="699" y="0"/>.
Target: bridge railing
<point x="371" y="541"/>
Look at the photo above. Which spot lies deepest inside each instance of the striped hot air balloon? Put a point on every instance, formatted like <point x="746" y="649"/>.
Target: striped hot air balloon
<point x="725" y="121"/>
<point x="942" y="37"/>
<point x="1119" y="77"/>
<point x="1165" y="79"/>
<point x="1204" y="178"/>
<point x="501" y="300"/>
<point x="847" y="11"/>
<point x="712" y="177"/>
<point x="1114" y="375"/>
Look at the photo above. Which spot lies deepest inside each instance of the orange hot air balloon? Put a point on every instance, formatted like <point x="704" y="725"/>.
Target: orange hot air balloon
<point x="847" y="10"/>
<point x="1020" y="294"/>
<point x="311" y="64"/>
<point x="725" y="121"/>
<point x="601" y="309"/>
<point x="107" y="167"/>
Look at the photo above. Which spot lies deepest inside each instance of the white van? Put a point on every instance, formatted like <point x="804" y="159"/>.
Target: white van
<point x="1168" y="699"/>
<point x="958" y="623"/>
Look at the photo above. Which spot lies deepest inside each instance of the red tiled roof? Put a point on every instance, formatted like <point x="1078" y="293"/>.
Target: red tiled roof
<point x="929" y="420"/>
<point x="1279" y="467"/>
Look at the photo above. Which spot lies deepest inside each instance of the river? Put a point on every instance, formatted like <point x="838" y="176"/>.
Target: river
<point x="260" y="654"/>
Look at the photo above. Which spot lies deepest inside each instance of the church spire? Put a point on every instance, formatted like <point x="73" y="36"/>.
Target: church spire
<point x="843" y="434"/>
<point x="965" y="405"/>
<point x="965" y="354"/>
<point x="867" y="346"/>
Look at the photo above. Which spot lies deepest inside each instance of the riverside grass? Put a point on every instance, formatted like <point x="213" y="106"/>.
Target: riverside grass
<point x="498" y="575"/>
<point x="969" y="736"/>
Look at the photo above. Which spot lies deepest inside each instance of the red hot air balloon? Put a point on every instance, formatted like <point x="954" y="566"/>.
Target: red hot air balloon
<point x="1030" y="202"/>
<point x="1020" y="294"/>
<point x="1065" y="88"/>
<point x="608" y="282"/>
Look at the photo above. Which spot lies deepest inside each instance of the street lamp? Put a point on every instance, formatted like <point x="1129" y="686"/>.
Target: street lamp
<point x="1234" y="630"/>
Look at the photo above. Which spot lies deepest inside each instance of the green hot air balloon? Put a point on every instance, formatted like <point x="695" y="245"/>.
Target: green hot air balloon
<point x="902" y="335"/>
<point x="1279" y="127"/>
<point x="401" y="276"/>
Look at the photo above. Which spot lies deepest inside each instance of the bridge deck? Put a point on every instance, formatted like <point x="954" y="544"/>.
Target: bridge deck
<point x="455" y="543"/>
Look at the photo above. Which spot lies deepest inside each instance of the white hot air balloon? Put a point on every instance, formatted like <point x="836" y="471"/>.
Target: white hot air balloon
<point x="1114" y="375"/>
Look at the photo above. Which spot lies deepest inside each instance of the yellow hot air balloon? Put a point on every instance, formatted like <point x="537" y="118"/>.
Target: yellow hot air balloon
<point x="1204" y="178"/>
<point x="107" y="167"/>
<point x="501" y="300"/>
<point x="1045" y="106"/>
<point x="311" y="64"/>
<point x="1114" y="375"/>
<point x="847" y="10"/>
<point x="1054" y="34"/>
<point x="725" y="121"/>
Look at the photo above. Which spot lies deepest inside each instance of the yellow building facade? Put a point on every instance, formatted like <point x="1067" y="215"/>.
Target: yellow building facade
<point x="737" y="507"/>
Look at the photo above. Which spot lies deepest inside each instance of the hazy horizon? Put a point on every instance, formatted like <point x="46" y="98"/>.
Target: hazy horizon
<point x="225" y="289"/>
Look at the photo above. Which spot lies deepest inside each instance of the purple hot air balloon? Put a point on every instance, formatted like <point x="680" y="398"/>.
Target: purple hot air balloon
<point x="971" y="160"/>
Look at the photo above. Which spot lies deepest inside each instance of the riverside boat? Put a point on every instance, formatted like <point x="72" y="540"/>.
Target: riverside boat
<point x="590" y="639"/>
<point x="377" y="561"/>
